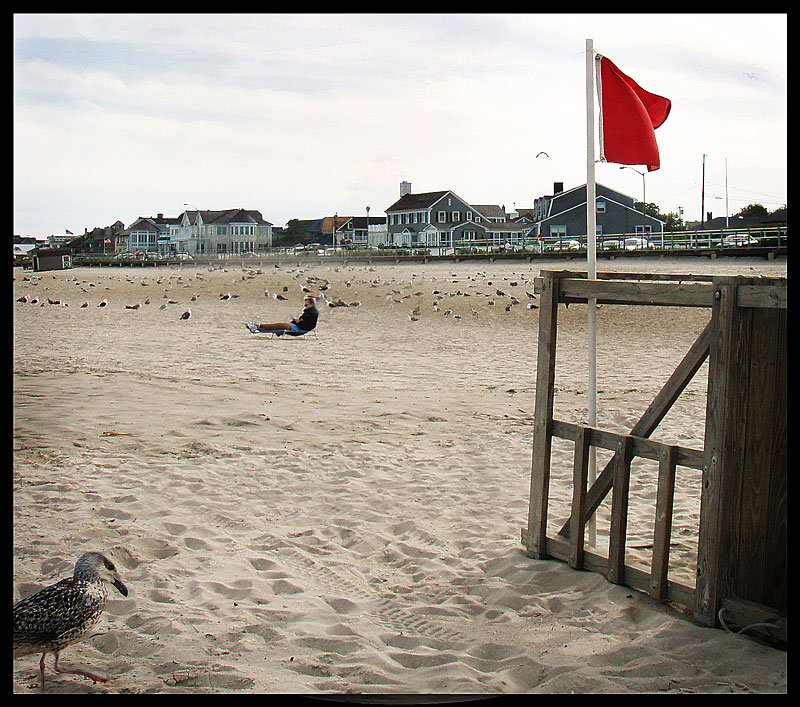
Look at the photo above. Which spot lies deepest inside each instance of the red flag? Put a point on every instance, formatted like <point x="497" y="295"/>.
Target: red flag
<point x="628" y="117"/>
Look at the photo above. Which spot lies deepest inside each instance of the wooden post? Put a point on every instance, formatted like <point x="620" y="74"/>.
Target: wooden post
<point x="543" y="420"/>
<point x="663" y="524"/>
<point x="742" y="542"/>
<point x="580" y="474"/>
<point x="619" y="512"/>
<point x="712" y="533"/>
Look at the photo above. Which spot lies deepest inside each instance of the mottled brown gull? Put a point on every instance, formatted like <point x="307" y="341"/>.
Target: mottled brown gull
<point x="65" y="612"/>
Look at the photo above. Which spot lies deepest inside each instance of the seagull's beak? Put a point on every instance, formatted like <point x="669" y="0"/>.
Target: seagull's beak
<point x="121" y="587"/>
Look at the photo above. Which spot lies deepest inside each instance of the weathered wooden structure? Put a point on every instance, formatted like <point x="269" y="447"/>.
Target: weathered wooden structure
<point x="52" y="259"/>
<point x="742" y="547"/>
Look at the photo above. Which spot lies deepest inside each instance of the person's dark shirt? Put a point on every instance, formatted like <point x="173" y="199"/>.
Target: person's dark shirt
<point x="308" y="319"/>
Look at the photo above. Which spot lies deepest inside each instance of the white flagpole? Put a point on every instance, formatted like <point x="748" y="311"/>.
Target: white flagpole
<point x="591" y="247"/>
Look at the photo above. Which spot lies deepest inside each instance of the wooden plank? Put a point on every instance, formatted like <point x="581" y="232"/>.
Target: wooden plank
<point x="774" y="297"/>
<point x="640" y="446"/>
<point x="580" y="474"/>
<point x="655" y="412"/>
<point x="757" y="618"/>
<point x="619" y="512"/>
<point x="776" y="579"/>
<point x="713" y="533"/>
<point x="635" y="578"/>
<point x="680" y="277"/>
<point x="542" y="425"/>
<point x="642" y="293"/>
<point x="663" y="523"/>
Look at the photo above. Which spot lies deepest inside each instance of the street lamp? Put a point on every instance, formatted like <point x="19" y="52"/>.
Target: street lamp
<point x="367" y="246"/>
<point x="644" y="199"/>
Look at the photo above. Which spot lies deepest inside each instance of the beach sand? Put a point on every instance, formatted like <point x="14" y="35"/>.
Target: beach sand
<point x="342" y="513"/>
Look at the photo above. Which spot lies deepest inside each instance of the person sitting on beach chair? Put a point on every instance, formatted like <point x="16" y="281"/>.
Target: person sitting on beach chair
<point x="305" y="323"/>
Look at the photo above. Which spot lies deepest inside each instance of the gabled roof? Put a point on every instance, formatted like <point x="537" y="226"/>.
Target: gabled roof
<point x="327" y="222"/>
<point x="490" y="210"/>
<point x="225" y="216"/>
<point x="408" y="202"/>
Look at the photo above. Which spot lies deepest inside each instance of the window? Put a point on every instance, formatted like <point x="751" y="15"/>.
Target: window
<point x="468" y="215"/>
<point x="456" y="216"/>
<point x="600" y="207"/>
<point x="442" y="216"/>
<point x="643" y="229"/>
<point x="221" y="230"/>
<point x="558" y="230"/>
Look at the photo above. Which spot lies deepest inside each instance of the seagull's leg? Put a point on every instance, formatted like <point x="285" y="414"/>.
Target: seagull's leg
<point x="91" y="676"/>
<point x="41" y="669"/>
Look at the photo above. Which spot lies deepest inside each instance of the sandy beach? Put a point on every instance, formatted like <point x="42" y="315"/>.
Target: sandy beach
<point x="341" y="513"/>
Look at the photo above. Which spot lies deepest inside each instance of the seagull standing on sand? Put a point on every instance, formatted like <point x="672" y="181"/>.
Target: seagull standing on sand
<point x="64" y="613"/>
<point x="186" y="314"/>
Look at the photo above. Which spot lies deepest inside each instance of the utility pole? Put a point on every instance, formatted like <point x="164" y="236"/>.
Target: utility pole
<point x="703" y="196"/>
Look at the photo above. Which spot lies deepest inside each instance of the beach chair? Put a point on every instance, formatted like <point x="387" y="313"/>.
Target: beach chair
<point x="292" y="334"/>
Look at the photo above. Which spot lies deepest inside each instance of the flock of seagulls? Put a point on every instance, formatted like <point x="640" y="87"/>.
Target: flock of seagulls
<point x="505" y="294"/>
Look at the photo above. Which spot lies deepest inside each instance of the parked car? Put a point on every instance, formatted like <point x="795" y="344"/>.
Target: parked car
<point x="738" y="240"/>
<point x="637" y="243"/>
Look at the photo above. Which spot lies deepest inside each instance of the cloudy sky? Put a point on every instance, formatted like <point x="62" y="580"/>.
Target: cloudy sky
<point x="300" y="116"/>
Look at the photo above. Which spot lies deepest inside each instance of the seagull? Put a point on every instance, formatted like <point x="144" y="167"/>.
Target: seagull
<point x="65" y="612"/>
<point x="104" y="303"/>
<point x="538" y="154"/>
<point x="186" y="314"/>
<point x="132" y="306"/>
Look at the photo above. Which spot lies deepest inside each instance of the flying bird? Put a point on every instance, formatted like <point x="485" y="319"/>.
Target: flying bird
<point x="65" y="612"/>
<point x="538" y="154"/>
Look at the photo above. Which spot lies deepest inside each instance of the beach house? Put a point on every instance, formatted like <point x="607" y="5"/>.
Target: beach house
<point x="443" y="220"/>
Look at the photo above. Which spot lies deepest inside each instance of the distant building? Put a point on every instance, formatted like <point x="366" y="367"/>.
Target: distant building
<point x="444" y="220"/>
<point x="212" y="233"/>
<point x="151" y="234"/>
<point x="563" y="215"/>
<point x="355" y="230"/>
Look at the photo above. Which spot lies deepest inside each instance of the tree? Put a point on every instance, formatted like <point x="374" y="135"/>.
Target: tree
<point x="672" y="221"/>
<point x="295" y="232"/>
<point x="753" y="211"/>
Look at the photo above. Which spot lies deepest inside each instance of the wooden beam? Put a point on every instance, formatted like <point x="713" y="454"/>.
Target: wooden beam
<point x="663" y="526"/>
<point x="543" y="421"/>
<point x="713" y="535"/>
<point x="761" y="296"/>
<point x="642" y="293"/>
<point x="635" y="578"/>
<point x="580" y="474"/>
<point x="619" y="512"/>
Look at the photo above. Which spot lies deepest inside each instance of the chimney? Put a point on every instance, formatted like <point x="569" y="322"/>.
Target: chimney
<point x="558" y="187"/>
<point x="405" y="188"/>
